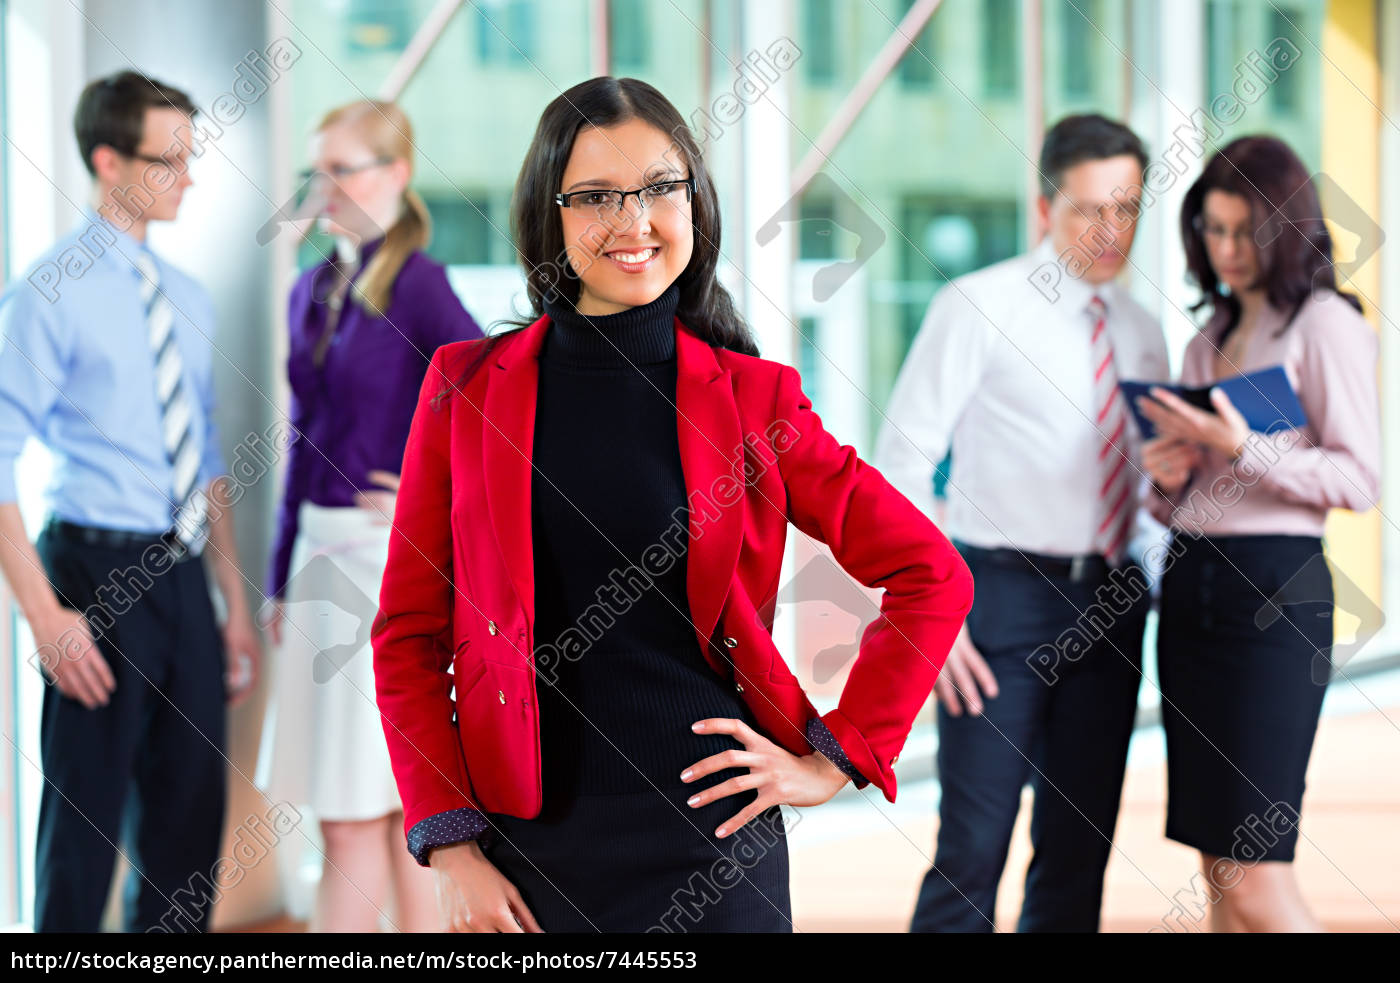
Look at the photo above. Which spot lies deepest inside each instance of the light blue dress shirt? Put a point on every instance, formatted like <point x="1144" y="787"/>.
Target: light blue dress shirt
<point x="78" y="373"/>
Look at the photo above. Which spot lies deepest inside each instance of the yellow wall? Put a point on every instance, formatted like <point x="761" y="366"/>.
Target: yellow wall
<point x="1351" y="154"/>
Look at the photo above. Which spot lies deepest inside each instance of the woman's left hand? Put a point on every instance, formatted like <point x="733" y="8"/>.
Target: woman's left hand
<point x="778" y="775"/>
<point x="380" y="502"/>
<point x="1225" y="429"/>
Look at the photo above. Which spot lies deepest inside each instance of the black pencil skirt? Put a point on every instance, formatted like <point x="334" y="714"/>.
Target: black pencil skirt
<point x="1243" y="652"/>
<point x="647" y="862"/>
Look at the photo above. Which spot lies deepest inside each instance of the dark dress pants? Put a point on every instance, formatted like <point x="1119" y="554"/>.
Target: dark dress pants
<point x="145" y="772"/>
<point x="1067" y="656"/>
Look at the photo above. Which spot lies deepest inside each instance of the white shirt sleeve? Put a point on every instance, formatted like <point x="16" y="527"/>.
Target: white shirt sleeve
<point x="941" y="373"/>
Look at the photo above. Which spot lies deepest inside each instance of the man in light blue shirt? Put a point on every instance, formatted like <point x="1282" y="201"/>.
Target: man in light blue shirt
<point x="105" y="357"/>
<point x="75" y="348"/>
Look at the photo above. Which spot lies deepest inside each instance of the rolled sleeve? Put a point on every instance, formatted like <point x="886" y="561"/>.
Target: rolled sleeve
<point x="446" y="828"/>
<point x="821" y="738"/>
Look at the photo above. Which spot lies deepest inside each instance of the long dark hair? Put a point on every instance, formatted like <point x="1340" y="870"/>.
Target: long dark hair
<point x="1291" y="240"/>
<point x="705" y="307"/>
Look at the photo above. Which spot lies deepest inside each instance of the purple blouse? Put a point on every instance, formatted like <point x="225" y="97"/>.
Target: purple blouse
<point x="352" y="415"/>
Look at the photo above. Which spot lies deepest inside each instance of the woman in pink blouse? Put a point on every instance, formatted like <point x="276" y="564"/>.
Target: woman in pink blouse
<point x="1245" y="632"/>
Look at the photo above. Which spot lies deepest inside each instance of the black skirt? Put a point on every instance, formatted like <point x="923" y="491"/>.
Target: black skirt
<point x="615" y="847"/>
<point x="647" y="862"/>
<point x="1243" y="653"/>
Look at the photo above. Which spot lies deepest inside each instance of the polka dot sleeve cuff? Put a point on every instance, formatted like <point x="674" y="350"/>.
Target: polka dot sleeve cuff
<point x="821" y="738"/>
<point x="455" y="826"/>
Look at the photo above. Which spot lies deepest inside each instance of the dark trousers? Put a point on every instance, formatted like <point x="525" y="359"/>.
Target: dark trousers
<point x="1067" y="656"/>
<point x="145" y="772"/>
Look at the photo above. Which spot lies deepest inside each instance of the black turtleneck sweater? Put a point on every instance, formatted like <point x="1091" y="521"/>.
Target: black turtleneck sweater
<point x="628" y="678"/>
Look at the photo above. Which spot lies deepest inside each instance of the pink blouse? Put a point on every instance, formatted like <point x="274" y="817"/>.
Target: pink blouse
<point x="1284" y="483"/>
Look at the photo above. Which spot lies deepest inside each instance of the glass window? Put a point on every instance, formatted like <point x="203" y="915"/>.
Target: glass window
<point x="1001" y="49"/>
<point x="807" y="354"/>
<point x="818" y="218"/>
<point x="945" y="236"/>
<point x="1077" y="35"/>
<point x="819" y="37"/>
<point x="933" y="169"/>
<point x="1263" y="56"/>
<point x="377" y="25"/>
<point x="1284" y="23"/>
<point x="917" y="68"/>
<point x="1221" y="30"/>
<point x="629" y="36"/>
<point x="505" y="31"/>
<point x="1086" y="45"/>
<point x="464" y="227"/>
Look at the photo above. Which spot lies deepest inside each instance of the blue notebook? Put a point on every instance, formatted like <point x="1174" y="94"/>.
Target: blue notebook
<point x="1265" y="398"/>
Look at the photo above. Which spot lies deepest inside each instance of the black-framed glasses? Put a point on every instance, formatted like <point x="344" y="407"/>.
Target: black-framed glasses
<point x="611" y="202"/>
<point x="340" y="172"/>
<point x="167" y="163"/>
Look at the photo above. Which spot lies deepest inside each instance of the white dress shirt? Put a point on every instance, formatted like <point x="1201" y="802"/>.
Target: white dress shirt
<point x="1002" y="371"/>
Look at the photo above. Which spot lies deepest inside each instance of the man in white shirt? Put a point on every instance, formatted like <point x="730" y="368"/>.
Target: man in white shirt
<point x="1015" y="368"/>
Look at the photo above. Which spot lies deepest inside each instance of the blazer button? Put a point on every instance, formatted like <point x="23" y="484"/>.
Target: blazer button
<point x="491" y="627"/>
<point x="502" y="694"/>
<point x="894" y="759"/>
<point x="739" y="687"/>
<point x="731" y="642"/>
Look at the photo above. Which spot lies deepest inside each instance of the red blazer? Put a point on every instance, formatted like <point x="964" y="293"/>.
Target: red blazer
<point x="458" y="590"/>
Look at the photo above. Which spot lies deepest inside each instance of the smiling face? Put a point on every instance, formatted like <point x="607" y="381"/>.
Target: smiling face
<point x="1227" y="228"/>
<point x="629" y="258"/>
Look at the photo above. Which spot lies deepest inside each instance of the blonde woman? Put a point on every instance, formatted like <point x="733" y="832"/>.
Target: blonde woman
<point x="363" y="328"/>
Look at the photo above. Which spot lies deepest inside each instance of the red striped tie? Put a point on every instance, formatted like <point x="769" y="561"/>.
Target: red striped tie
<point x="1116" y="505"/>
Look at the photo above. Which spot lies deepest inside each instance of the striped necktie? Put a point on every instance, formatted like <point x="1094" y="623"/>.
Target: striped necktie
<point x="181" y="441"/>
<point x="1115" y="502"/>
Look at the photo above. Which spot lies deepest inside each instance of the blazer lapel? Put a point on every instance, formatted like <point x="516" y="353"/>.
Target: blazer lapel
<point x="707" y="422"/>
<point x="507" y="450"/>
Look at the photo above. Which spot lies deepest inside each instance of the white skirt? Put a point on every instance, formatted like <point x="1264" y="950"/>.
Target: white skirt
<point x="323" y="743"/>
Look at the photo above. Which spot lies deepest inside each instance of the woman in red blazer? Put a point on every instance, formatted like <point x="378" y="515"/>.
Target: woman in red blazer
<point x="575" y="619"/>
